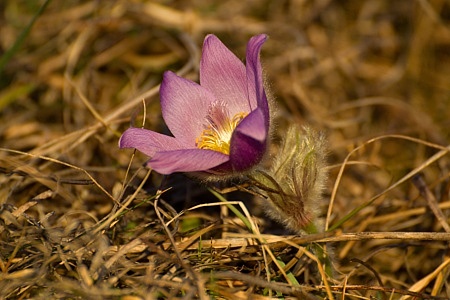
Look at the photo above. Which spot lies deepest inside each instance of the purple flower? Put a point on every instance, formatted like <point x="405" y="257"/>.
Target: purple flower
<point x="219" y="126"/>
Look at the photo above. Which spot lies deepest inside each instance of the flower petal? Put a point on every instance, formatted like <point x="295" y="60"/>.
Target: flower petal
<point x="248" y="143"/>
<point x="186" y="160"/>
<point x="222" y="73"/>
<point x="147" y="141"/>
<point x="184" y="106"/>
<point x="254" y="74"/>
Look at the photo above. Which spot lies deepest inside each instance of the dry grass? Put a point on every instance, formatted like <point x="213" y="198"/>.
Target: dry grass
<point x="78" y="222"/>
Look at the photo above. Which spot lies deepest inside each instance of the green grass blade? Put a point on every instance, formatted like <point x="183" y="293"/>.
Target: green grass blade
<point x="21" y="38"/>
<point x="350" y="215"/>
<point x="232" y="208"/>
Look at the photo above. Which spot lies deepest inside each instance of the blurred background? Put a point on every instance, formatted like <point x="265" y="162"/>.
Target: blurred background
<point x="372" y="75"/>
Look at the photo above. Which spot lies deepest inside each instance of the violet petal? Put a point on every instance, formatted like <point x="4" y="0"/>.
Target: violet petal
<point x="184" y="106"/>
<point x="186" y="160"/>
<point x="254" y="74"/>
<point x="248" y="143"/>
<point x="147" y="141"/>
<point x="224" y="74"/>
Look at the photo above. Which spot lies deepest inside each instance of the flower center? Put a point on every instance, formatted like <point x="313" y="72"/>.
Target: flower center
<point x="219" y="128"/>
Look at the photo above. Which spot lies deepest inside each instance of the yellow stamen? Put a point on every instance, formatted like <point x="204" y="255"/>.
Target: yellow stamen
<point x="219" y="129"/>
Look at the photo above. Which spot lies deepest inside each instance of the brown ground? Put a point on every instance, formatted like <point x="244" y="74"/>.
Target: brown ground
<point x="373" y="75"/>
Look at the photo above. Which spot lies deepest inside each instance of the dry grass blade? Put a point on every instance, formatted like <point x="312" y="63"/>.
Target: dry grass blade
<point x="424" y="282"/>
<point x="431" y="200"/>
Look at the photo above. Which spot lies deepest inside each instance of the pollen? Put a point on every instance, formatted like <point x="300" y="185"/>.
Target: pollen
<point x="219" y="128"/>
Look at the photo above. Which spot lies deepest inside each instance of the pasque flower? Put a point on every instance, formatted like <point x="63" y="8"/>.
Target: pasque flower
<point x="219" y="126"/>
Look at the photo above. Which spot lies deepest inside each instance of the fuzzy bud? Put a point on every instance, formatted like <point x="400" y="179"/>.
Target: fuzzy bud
<point x="295" y="181"/>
